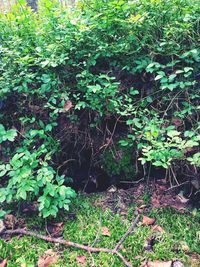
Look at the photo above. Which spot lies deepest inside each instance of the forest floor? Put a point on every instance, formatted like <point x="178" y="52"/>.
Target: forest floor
<point x="166" y="234"/>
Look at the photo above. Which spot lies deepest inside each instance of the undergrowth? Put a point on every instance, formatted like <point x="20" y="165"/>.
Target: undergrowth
<point x="78" y="81"/>
<point x="181" y="231"/>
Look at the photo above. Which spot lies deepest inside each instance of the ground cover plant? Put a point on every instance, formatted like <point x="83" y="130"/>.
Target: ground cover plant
<point x="81" y="84"/>
<point x="174" y="236"/>
<point x="96" y="94"/>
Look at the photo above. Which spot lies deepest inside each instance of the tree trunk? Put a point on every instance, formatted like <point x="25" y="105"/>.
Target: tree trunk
<point x="32" y="4"/>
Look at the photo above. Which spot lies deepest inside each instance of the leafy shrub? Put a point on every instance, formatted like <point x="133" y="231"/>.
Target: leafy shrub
<point x="133" y="63"/>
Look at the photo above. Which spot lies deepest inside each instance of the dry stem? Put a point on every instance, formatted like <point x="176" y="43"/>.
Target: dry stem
<point x="90" y="249"/>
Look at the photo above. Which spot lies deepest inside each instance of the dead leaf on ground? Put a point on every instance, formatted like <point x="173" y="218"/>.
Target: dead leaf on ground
<point x="124" y="213"/>
<point x="148" y="221"/>
<point x="182" y="199"/>
<point x="162" y="181"/>
<point x="105" y="231"/>
<point x="46" y="261"/>
<point x="195" y="256"/>
<point x="3" y="263"/>
<point x="158" y="228"/>
<point x="159" y="264"/>
<point x="194" y="260"/>
<point x="21" y="223"/>
<point x="162" y="198"/>
<point x="112" y="189"/>
<point x="81" y="259"/>
<point x="142" y="206"/>
<point x="184" y="247"/>
<point x="163" y="187"/>
<point x="140" y="209"/>
<point x="10" y="221"/>
<point x="155" y="202"/>
<point x="68" y="105"/>
<point x="49" y="257"/>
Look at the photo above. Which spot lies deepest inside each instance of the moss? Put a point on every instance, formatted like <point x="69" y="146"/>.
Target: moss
<point x="119" y="161"/>
<point x="85" y="228"/>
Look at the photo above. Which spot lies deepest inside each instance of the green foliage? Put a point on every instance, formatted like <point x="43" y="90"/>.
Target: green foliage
<point x="79" y="56"/>
<point x="8" y="135"/>
<point x="195" y="159"/>
<point x="100" y="92"/>
<point x="6" y="249"/>
<point x="119" y="161"/>
<point x="28" y="179"/>
<point x="161" y="151"/>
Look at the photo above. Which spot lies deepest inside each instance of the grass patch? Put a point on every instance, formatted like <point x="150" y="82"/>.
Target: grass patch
<point x="181" y="237"/>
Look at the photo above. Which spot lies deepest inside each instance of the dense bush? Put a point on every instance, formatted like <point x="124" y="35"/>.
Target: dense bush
<point x="88" y="77"/>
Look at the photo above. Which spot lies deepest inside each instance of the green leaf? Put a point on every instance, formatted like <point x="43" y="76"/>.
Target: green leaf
<point x="45" y="63"/>
<point x="70" y="192"/>
<point x="179" y="71"/>
<point x="186" y="69"/>
<point x="3" y="172"/>
<point x="129" y="122"/>
<point x="7" y="135"/>
<point x="2" y="197"/>
<point x="62" y="190"/>
<point x="47" y="202"/>
<point x="45" y="213"/>
<point x="171" y="77"/>
<point x="171" y="87"/>
<point x="173" y="133"/>
<point x="66" y="207"/>
<point x="134" y="92"/>
<point x="48" y="127"/>
<point x="123" y="142"/>
<point x="3" y="213"/>
<point x="158" y="77"/>
<point x="23" y="194"/>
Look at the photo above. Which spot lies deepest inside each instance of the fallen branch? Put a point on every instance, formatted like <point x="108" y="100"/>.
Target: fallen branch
<point x="128" y="232"/>
<point x="134" y="182"/>
<point x="90" y="249"/>
<point x="176" y="186"/>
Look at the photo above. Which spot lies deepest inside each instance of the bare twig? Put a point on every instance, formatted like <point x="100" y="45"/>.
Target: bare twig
<point x="176" y="186"/>
<point x="64" y="163"/>
<point x="128" y="232"/>
<point x="97" y="236"/>
<point x="127" y="263"/>
<point x="89" y="249"/>
<point x="56" y="240"/>
<point x="92" y="259"/>
<point x="133" y="182"/>
<point x="174" y="176"/>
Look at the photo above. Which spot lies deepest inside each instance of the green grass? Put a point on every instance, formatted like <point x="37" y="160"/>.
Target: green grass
<point x="181" y="230"/>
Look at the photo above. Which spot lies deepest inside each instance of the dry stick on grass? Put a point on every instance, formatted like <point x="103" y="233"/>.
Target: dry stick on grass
<point x="114" y="251"/>
<point x="128" y="232"/>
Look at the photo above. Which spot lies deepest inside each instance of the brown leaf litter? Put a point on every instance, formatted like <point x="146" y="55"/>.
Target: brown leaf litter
<point x="81" y="259"/>
<point x="161" y="196"/>
<point x="105" y="231"/>
<point x="49" y="257"/>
